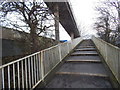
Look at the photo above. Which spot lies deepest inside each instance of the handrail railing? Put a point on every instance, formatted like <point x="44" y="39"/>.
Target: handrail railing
<point x="111" y="55"/>
<point x="29" y="71"/>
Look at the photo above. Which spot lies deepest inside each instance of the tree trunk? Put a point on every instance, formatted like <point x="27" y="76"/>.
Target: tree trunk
<point x="56" y="13"/>
<point x="107" y="29"/>
<point x="33" y="40"/>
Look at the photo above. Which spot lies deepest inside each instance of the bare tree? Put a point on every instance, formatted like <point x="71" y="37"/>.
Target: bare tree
<point x="114" y="4"/>
<point x="108" y="23"/>
<point x="32" y="14"/>
<point x="103" y="28"/>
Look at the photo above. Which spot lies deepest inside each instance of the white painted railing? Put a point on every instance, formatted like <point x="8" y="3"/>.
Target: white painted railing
<point x="111" y="55"/>
<point x="29" y="71"/>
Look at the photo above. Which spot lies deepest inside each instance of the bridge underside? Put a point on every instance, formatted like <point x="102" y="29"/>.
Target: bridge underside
<point x="66" y="17"/>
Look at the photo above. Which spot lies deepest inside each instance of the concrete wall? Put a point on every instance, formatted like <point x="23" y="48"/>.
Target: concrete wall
<point x="13" y="47"/>
<point x="15" y="43"/>
<point x="12" y="34"/>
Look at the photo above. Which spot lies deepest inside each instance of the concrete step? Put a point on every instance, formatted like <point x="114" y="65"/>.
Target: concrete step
<point x="97" y="58"/>
<point x="82" y="74"/>
<point x="77" y="53"/>
<point x="87" y="43"/>
<point x="77" y="61"/>
<point x="90" y="68"/>
<point x="83" y="52"/>
<point x="85" y="49"/>
<point x="78" y="81"/>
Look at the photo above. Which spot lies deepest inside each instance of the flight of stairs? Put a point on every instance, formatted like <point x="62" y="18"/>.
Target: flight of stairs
<point x="82" y="69"/>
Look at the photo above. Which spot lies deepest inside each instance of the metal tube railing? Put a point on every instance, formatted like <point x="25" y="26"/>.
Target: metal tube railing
<point x="111" y="55"/>
<point x="29" y="71"/>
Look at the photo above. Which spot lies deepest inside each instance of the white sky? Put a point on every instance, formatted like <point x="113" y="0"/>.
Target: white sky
<point x="85" y="16"/>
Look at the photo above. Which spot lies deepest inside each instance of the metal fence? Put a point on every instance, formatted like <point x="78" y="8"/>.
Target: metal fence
<point x="111" y="55"/>
<point x="29" y="71"/>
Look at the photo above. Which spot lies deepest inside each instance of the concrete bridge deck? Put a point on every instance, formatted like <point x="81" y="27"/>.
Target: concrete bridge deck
<point x="82" y="69"/>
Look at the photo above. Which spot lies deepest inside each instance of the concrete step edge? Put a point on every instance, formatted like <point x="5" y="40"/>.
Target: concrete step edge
<point x="94" y="54"/>
<point x="85" y="50"/>
<point x="86" y="46"/>
<point x="83" y="74"/>
<point x="91" y="61"/>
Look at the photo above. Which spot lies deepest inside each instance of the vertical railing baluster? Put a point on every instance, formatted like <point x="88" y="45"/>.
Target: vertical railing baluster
<point x="35" y="68"/>
<point x="29" y="72"/>
<point x="18" y="74"/>
<point x="3" y="79"/>
<point x="22" y="74"/>
<point x="14" y="75"/>
<point x="40" y="75"/>
<point x="8" y="76"/>
<point x="42" y="65"/>
<point x="51" y="58"/>
<point x="26" y="73"/>
<point x="32" y="70"/>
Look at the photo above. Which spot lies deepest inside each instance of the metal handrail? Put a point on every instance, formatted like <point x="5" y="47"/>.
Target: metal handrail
<point x="18" y="60"/>
<point x="29" y="71"/>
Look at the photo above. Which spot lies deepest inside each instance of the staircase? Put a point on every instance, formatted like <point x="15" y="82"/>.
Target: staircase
<point x="82" y="69"/>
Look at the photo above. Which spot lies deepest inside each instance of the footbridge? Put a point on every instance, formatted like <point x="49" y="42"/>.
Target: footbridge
<point x="64" y="14"/>
<point x="78" y="63"/>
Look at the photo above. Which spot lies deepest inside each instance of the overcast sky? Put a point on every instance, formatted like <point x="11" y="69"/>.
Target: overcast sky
<point x="85" y="16"/>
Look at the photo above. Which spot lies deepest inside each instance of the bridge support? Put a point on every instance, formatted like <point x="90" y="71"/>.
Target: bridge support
<point x="72" y="36"/>
<point x="56" y="14"/>
<point x="0" y="58"/>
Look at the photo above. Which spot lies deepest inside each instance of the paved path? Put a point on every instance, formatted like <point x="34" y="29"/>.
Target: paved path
<point x="82" y="69"/>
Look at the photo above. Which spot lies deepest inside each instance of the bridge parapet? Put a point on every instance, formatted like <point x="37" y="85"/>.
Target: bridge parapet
<point x="111" y="55"/>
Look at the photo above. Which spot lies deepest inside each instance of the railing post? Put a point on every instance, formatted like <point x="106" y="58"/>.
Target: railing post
<point x="0" y="76"/>
<point x="68" y="47"/>
<point x="42" y="65"/>
<point x="0" y="79"/>
<point x="60" y="52"/>
<point x="0" y="58"/>
<point x="119" y="67"/>
<point x="106" y="53"/>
